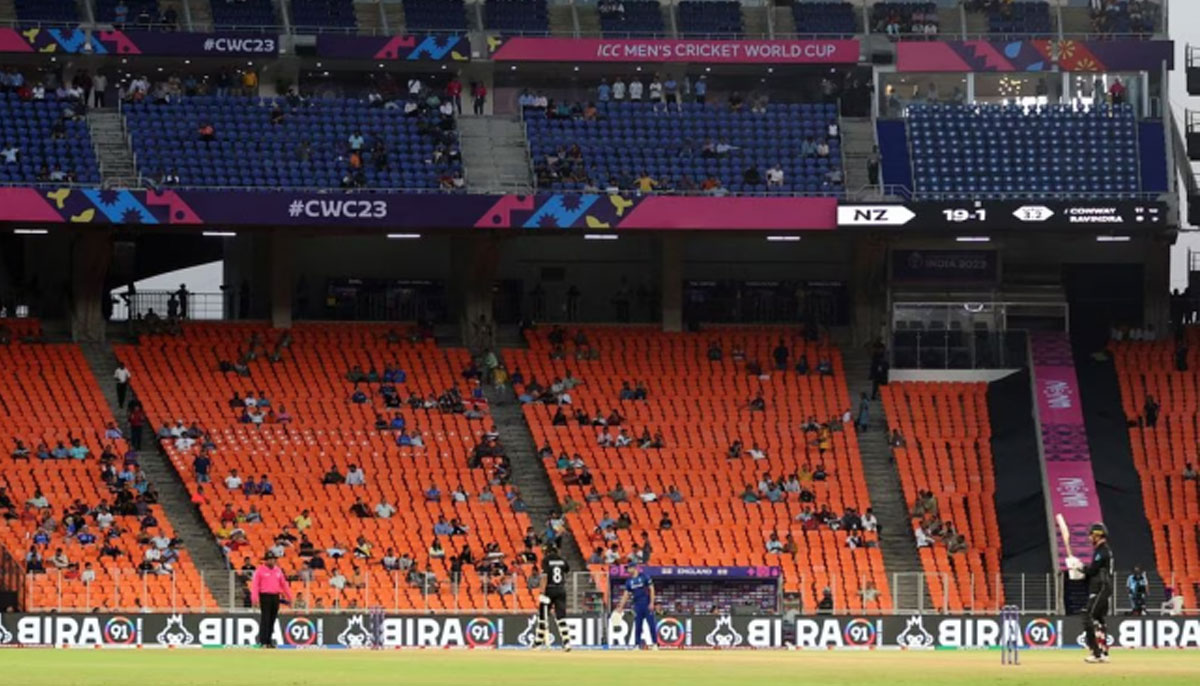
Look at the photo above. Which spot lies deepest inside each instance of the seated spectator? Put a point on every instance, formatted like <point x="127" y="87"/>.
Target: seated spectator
<point x="333" y="477"/>
<point x="1189" y="473"/>
<point x="355" y="476"/>
<point x="233" y="482"/>
<point x="774" y="545"/>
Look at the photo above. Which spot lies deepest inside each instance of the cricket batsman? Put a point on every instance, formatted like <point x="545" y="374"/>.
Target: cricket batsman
<point x="639" y="587"/>
<point x="553" y="598"/>
<point x="1099" y="576"/>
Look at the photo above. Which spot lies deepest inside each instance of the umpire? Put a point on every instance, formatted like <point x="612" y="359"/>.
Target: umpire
<point x="268" y="585"/>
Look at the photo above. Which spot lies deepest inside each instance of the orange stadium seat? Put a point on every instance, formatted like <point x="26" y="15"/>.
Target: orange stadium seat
<point x="701" y="407"/>
<point x="47" y="393"/>
<point x="178" y="378"/>
<point x="948" y="451"/>
<point x="1160" y="454"/>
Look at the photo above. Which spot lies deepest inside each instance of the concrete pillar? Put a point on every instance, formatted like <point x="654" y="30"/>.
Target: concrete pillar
<point x="281" y="265"/>
<point x="91" y="252"/>
<point x="868" y="287"/>
<point x="474" y="259"/>
<point x="1157" y="278"/>
<point x="672" y="282"/>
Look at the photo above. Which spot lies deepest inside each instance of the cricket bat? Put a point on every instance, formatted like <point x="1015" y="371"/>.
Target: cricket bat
<point x="1065" y="532"/>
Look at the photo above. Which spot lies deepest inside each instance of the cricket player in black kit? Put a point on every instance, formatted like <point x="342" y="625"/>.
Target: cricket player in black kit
<point x="553" y="598"/>
<point x="1099" y="576"/>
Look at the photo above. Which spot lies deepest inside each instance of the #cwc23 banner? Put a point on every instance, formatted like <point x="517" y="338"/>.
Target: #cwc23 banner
<point x="515" y="631"/>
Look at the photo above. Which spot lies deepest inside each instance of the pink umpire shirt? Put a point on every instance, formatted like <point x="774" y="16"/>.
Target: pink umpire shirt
<point x="269" y="580"/>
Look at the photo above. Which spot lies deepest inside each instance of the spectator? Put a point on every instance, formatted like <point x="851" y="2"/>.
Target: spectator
<point x="775" y="176"/>
<point x="825" y="605"/>
<point x="1150" y="410"/>
<point x="207" y="132"/>
<point x="355" y="476"/>
<point x="1189" y="473"/>
<point x="333" y="477"/>
<point x="233" y="482"/>
<point x="479" y="96"/>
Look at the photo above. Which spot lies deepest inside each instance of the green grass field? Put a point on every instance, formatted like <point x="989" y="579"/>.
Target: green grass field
<point x="694" y="668"/>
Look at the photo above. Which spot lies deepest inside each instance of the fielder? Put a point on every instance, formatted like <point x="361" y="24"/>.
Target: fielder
<point x="1099" y="575"/>
<point x="553" y="599"/>
<point x="639" y="587"/>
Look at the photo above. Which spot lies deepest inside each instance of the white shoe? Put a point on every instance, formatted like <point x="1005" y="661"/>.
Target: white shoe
<point x="1093" y="660"/>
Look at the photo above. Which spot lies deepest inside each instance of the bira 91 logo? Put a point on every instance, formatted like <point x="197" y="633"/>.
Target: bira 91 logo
<point x="175" y="633"/>
<point x="235" y="46"/>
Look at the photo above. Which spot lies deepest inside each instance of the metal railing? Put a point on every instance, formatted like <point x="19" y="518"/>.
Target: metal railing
<point x="130" y="590"/>
<point x="199" y="306"/>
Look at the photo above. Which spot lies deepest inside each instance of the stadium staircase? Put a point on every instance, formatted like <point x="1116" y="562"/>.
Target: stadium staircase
<point x="495" y="154"/>
<point x="1118" y="482"/>
<point x="8" y="13"/>
<point x="755" y="22"/>
<point x="173" y="497"/>
<point x="896" y="539"/>
<point x="393" y="18"/>
<point x="369" y="18"/>
<point x="1020" y="500"/>
<point x="784" y="20"/>
<point x="201" y="14"/>
<point x="589" y="19"/>
<point x="117" y="167"/>
<point x="858" y="139"/>
<point x="562" y="20"/>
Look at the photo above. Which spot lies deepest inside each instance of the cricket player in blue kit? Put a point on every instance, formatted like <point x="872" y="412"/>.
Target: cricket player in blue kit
<point x="641" y="589"/>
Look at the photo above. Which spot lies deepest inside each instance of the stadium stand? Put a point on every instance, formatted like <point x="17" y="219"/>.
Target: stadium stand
<point x="1124" y="17"/>
<point x="902" y="18"/>
<point x="636" y="17"/>
<point x="48" y="144"/>
<point x="435" y="15"/>
<point x="136" y="12"/>
<point x="1022" y="17"/>
<point x="698" y="408"/>
<point x="825" y="16"/>
<point x="246" y="15"/>
<point x="999" y="149"/>
<point x="311" y="147"/>
<point x="947" y="452"/>
<point x="1162" y="453"/>
<point x="710" y="18"/>
<point x="54" y="11"/>
<point x="48" y="400"/>
<point x="683" y="157"/>
<point x="517" y="16"/>
<point x="314" y="425"/>
<point x="324" y="14"/>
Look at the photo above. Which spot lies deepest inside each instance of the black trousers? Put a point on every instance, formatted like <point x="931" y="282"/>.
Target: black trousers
<point x="122" y="389"/>
<point x="1095" y="613"/>
<point x="269" y="606"/>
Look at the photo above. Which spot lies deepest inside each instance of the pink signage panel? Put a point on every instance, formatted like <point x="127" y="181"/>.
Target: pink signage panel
<point x="522" y="49"/>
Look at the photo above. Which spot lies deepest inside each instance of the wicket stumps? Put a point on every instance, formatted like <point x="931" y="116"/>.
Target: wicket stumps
<point x="377" y="628"/>
<point x="1010" y="635"/>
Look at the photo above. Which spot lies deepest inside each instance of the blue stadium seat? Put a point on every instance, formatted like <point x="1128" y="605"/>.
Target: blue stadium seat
<point x="57" y="11"/>
<point x="517" y="16"/>
<point x="27" y="125"/>
<point x="630" y="138"/>
<point x="1000" y="150"/>
<point x="640" y="18"/>
<point x="250" y="15"/>
<point x="825" y="16"/>
<point x="1021" y="17"/>
<point x="251" y="151"/>
<point x="911" y="16"/>
<point x="328" y="14"/>
<point x="710" y="17"/>
<point x="106" y="10"/>
<point x="435" y="15"/>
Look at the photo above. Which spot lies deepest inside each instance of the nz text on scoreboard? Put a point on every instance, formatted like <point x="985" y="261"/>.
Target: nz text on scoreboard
<point x="1007" y="214"/>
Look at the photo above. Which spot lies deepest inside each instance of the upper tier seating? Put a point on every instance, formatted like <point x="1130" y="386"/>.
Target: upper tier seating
<point x="639" y="18"/>
<point x="324" y="14"/>
<point x="631" y="138"/>
<point x="1126" y="17"/>
<point x="33" y="11"/>
<point x="249" y="150"/>
<point x="137" y="12"/>
<point x="517" y="16"/>
<point x="435" y="15"/>
<point x="29" y="126"/>
<point x="1022" y="17"/>
<point x="1162" y="453"/>
<point x="701" y="407"/>
<point x="825" y="16"/>
<point x="47" y="395"/>
<point x="903" y="18"/>
<point x="179" y="377"/>
<point x="961" y="150"/>
<point x="710" y="18"/>
<point x="948" y="452"/>
<point x="245" y="15"/>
